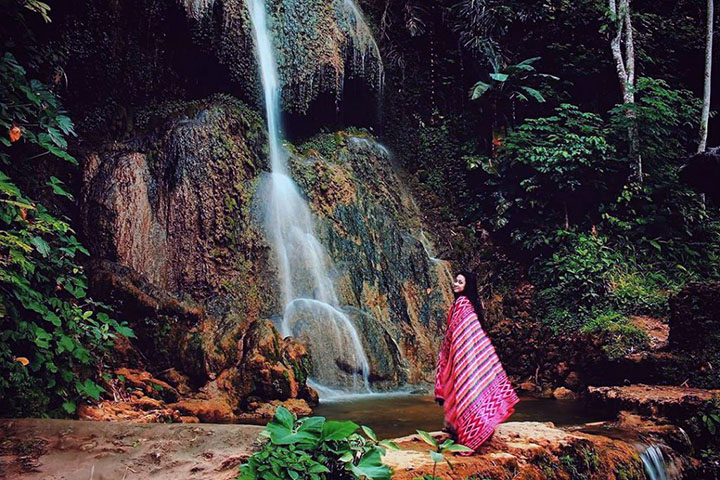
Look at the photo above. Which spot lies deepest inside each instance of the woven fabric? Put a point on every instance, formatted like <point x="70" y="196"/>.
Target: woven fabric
<point x="470" y="378"/>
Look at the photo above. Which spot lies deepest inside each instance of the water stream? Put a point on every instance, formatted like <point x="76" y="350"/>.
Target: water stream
<point x="312" y="312"/>
<point x="654" y="463"/>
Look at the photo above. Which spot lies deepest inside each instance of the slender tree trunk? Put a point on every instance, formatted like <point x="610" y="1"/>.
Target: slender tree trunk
<point x="625" y="66"/>
<point x="704" y="117"/>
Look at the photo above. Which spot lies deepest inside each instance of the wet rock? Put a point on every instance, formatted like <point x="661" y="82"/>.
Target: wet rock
<point x="273" y="368"/>
<point x="168" y="216"/>
<point x="573" y="381"/>
<point x="177" y="380"/>
<point x="673" y="402"/>
<point x="262" y="412"/>
<point x="147" y="384"/>
<point x="393" y="290"/>
<point x="562" y="393"/>
<point x="532" y="450"/>
<point x="526" y="387"/>
<point x="207" y="411"/>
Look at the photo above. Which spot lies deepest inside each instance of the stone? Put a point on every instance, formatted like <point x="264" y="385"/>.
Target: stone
<point x="534" y="450"/>
<point x="526" y="387"/>
<point x="147" y="384"/>
<point x="177" y="380"/>
<point x="271" y="365"/>
<point x="207" y="411"/>
<point x="562" y="393"/>
<point x="143" y="411"/>
<point x="674" y="402"/>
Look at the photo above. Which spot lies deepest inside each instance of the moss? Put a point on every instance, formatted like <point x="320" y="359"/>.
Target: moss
<point x="620" y="337"/>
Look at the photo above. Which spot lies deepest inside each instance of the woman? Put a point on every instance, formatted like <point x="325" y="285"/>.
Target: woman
<point x="471" y="384"/>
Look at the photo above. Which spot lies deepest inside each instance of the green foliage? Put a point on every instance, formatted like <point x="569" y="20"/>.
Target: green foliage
<point x="640" y="293"/>
<point x="315" y="449"/>
<point x="448" y="446"/>
<point x="508" y="81"/>
<point x="52" y="336"/>
<point x="506" y="85"/>
<point x="550" y="173"/>
<point x="620" y="337"/>
<point x="575" y="280"/>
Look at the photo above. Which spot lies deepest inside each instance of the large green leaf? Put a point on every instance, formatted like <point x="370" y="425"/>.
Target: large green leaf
<point x="534" y="93"/>
<point x="334" y="430"/>
<point x="478" y="90"/>
<point x="41" y="246"/>
<point x="370" y="433"/>
<point x="427" y="438"/>
<point x="499" y="77"/>
<point x="371" y="467"/>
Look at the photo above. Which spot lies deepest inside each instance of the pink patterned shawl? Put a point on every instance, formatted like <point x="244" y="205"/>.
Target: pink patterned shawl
<point x="470" y="378"/>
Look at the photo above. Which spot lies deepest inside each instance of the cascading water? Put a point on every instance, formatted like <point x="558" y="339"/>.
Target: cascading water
<point x="654" y="463"/>
<point x="311" y="311"/>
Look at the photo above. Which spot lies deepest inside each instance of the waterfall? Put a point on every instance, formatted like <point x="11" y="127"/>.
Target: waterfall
<point x="654" y="463"/>
<point x="312" y="312"/>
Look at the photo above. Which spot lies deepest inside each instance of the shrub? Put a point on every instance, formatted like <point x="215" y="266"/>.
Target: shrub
<point x="620" y="337"/>
<point x="312" y="448"/>
<point x="52" y="336"/>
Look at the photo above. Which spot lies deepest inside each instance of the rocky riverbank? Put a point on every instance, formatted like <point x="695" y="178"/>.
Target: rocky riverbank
<point x="64" y="449"/>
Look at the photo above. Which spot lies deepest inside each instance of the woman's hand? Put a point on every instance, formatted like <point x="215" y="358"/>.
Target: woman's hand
<point x="439" y="401"/>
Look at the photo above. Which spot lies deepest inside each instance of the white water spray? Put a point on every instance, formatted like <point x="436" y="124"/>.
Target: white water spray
<point x="311" y="303"/>
<point x="654" y="463"/>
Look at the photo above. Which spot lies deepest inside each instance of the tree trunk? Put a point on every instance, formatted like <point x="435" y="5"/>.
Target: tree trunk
<point x="625" y="67"/>
<point x="705" y="115"/>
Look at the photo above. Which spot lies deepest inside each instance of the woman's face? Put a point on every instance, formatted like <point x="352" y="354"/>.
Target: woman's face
<point x="459" y="284"/>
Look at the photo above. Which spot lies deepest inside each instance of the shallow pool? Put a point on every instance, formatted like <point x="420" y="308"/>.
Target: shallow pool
<point x="397" y="415"/>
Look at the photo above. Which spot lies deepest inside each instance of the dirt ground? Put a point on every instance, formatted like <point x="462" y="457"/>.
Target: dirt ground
<point x="35" y="449"/>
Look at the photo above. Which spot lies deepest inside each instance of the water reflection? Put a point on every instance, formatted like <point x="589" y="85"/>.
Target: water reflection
<point x="399" y="415"/>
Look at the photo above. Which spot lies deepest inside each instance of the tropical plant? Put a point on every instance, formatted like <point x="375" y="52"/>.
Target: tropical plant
<point x="508" y="84"/>
<point x="551" y="173"/>
<point x="448" y="446"/>
<point x="313" y="448"/>
<point x="53" y="337"/>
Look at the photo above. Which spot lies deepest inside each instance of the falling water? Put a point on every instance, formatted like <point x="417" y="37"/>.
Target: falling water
<point x="654" y="463"/>
<point x="311" y="303"/>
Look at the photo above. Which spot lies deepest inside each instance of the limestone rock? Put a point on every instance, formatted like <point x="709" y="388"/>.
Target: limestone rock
<point x="562" y="393"/>
<point x="532" y="450"/>
<point x="147" y="384"/>
<point x="664" y="400"/>
<point x="272" y="368"/>
<point x="207" y="411"/>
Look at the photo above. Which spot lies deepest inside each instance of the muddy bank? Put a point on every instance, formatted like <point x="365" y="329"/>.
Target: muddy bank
<point x="34" y="449"/>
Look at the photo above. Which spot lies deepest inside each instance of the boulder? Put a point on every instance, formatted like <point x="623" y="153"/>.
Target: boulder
<point x="207" y="411"/>
<point x="562" y="393"/>
<point x="273" y="368"/>
<point x="147" y="384"/>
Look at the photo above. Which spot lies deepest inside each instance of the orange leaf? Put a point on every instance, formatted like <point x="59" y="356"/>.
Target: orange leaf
<point x="24" y="361"/>
<point x="15" y="133"/>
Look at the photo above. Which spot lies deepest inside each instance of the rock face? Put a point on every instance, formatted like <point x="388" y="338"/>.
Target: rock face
<point x="675" y="403"/>
<point x="169" y="220"/>
<point x="318" y="43"/>
<point x="372" y="230"/>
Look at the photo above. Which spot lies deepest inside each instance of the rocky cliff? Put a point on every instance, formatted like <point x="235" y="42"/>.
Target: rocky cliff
<point x="169" y="219"/>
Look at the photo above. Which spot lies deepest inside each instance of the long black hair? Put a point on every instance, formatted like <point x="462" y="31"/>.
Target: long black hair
<point x="470" y="291"/>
